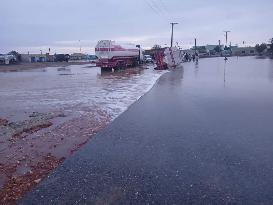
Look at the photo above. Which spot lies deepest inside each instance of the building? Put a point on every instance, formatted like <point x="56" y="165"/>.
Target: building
<point x="78" y="57"/>
<point x="244" y="51"/>
<point x="34" y="58"/>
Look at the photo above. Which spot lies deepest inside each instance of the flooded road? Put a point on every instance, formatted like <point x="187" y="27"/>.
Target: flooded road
<point x="71" y="89"/>
<point x="47" y="114"/>
<point x="202" y="135"/>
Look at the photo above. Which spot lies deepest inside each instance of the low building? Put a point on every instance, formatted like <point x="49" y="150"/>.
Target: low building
<point x="34" y="58"/>
<point x="211" y="49"/>
<point x="244" y="51"/>
<point x="78" y="57"/>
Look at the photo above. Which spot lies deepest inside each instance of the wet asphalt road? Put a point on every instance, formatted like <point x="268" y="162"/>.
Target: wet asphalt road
<point x="202" y="135"/>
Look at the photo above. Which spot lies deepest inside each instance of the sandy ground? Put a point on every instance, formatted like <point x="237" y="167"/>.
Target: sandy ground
<point x="29" y="66"/>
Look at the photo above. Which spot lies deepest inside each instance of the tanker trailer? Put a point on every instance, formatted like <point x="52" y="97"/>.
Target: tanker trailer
<point x="116" y="55"/>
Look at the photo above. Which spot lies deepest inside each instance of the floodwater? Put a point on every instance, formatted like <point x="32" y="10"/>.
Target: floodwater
<point x="202" y="135"/>
<point x="243" y="81"/>
<point x="72" y="89"/>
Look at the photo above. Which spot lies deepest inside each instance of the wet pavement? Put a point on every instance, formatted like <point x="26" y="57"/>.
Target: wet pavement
<point x="202" y="135"/>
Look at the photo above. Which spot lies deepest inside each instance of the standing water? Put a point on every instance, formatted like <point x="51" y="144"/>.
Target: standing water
<point x="71" y="89"/>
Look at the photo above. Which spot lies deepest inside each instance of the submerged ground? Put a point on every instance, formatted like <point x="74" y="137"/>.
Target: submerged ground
<point x="202" y="135"/>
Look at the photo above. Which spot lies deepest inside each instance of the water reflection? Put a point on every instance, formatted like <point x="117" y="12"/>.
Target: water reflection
<point x="174" y="80"/>
<point x="225" y="73"/>
<point x="196" y="68"/>
<point x="270" y="70"/>
<point x="121" y="73"/>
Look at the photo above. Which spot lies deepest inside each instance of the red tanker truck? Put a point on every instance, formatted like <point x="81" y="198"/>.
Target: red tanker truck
<point x="117" y="56"/>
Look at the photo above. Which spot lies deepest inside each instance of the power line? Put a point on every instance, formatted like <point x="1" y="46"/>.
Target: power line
<point x="152" y="8"/>
<point x="163" y="6"/>
<point x="155" y="5"/>
<point x="157" y="9"/>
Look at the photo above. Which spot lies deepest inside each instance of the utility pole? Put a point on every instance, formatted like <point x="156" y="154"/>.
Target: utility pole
<point x="219" y="41"/>
<point x="195" y="47"/>
<point x="226" y="36"/>
<point x="80" y="46"/>
<point x="172" y="33"/>
<point x="139" y="61"/>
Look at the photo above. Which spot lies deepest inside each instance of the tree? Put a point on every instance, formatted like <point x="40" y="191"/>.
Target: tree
<point x="226" y="48"/>
<point x="16" y="55"/>
<point x="217" y="49"/>
<point x="202" y="49"/>
<point x="260" y="48"/>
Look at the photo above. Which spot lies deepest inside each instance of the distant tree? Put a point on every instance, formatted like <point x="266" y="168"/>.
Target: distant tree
<point x="217" y="49"/>
<point x="202" y="49"/>
<point x="226" y="48"/>
<point x="16" y="54"/>
<point x="260" y="48"/>
<point x="156" y="46"/>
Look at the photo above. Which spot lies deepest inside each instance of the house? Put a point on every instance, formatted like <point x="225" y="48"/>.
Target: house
<point x="211" y="48"/>
<point x="244" y="51"/>
<point x="78" y="57"/>
<point x="34" y="58"/>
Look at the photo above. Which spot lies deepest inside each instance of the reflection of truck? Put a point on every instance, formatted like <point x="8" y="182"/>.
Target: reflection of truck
<point x="117" y="56"/>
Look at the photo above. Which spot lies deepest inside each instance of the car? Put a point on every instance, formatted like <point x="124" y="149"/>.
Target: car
<point x="148" y="59"/>
<point x="7" y="59"/>
<point x="93" y="58"/>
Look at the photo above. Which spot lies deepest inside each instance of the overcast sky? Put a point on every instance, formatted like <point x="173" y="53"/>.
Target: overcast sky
<point x="34" y="25"/>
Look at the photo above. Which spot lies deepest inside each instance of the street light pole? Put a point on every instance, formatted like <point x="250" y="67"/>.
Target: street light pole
<point x="226" y="36"/>
<point x="172" y="33"/>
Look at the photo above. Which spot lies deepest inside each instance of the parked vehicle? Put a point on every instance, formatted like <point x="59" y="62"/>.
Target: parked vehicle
<point x="7" y="59"/>
<point x="148" y="59"/>
<point x="93" y="59"/>
<point x="2" y="59"/>
<point x="118" y="56"/>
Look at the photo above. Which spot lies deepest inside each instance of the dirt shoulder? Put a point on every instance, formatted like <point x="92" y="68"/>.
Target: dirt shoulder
<point x="31" y="149"/>
<point x="29" y="66"/>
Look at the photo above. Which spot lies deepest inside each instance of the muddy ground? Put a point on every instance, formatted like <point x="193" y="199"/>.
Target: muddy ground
<point x="30" y="149"/>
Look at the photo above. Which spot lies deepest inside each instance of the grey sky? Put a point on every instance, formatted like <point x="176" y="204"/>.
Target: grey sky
<point x="32" y="25"/>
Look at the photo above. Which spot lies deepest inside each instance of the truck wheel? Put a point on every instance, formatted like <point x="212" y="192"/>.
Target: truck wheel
<point x="120" y="66"/>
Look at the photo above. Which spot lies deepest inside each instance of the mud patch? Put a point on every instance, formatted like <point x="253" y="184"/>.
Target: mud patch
<point x="16" y="187"/>
<point x="29" y="152"/>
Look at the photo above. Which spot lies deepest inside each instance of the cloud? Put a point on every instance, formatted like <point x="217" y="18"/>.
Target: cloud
<point x="62" y="23"/>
